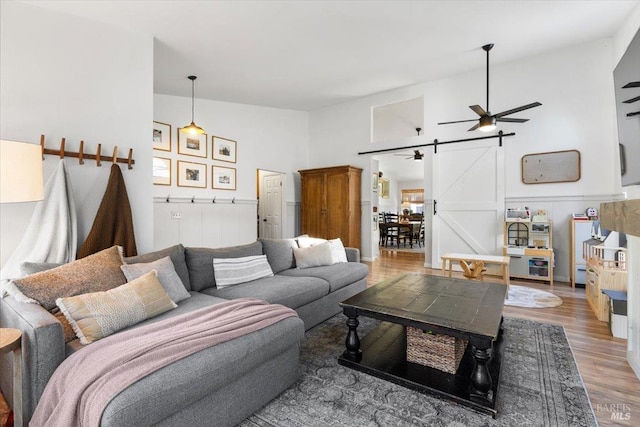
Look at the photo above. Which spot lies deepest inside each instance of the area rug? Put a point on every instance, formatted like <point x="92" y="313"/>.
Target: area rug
<point x="522" y="296"/>
<point x="539" y="386"/>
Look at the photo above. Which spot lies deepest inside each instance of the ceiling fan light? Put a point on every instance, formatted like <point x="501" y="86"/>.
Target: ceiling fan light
<point x="487" y="123"/>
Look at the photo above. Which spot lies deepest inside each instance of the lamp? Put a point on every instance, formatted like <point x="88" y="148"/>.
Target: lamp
<point x="487" y="123"/>
<point x="20" y="172"/>
<point x="193" y="128"/>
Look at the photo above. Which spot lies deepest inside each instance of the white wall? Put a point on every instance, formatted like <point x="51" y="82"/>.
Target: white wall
<point x="565" y="82"/>
<point x="620" y="43"/>
<point x="267" y="138"/>
<point x="64" y="76"/>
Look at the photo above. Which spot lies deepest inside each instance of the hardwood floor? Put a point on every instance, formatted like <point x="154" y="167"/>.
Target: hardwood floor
<point x="613" y="387"/>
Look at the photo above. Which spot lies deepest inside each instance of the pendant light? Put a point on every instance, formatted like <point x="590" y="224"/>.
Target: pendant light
<point x="193" y="128"/>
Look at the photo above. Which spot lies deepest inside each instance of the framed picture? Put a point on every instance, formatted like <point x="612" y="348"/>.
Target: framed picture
<point x="192" y="174"/>
<point x="224" y="149"/>
<point x="223" y="178"/>
<point x="161" y="136"/>
<point x="161" y="171"/>
<point x="374" y="182"/>
<point x="192" y="145"/>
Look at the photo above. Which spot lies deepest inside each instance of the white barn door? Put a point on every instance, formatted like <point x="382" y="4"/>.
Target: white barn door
<point x="468" y="193"/>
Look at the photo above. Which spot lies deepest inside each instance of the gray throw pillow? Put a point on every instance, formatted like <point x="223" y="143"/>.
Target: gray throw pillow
<point x="279" y="253"/>
<point x="313" y="256"/>
<point x="176" y="253"/>
<point x="167" y="276"/>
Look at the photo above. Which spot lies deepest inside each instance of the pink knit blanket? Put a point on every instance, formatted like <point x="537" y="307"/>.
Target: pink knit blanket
<point x="83" y="385"/>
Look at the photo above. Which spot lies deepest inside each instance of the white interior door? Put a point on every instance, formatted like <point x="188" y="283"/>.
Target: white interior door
<point x="468" y="193"/>
<point x="271" y="206"/>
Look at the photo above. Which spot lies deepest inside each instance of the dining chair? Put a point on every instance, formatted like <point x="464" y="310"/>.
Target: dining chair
<point x="392" y="229"/>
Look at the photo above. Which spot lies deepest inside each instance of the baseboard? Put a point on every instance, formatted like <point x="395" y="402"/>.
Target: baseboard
<point x="634" y="362"/>
<point x="366" y="258"/>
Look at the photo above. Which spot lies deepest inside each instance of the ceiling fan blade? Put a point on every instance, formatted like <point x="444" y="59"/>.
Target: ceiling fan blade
<point x="506" y="119"/>
<point x="516" y="110"/>
<point x="477" y="125"/>
<point x="631" y="84"/>
<point x="478" y="110"/>
<point x="632" y="100"/>
<point x="458" y="121"/>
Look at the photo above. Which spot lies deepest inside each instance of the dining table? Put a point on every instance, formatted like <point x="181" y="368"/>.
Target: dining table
<point x="410" y="227"/>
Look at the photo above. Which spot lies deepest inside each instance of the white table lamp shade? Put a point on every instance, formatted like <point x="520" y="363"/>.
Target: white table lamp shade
<point x="20" y="172"/>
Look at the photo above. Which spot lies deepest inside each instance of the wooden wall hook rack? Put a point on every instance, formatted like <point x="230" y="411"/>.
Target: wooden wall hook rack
<point x="81" y="155"/>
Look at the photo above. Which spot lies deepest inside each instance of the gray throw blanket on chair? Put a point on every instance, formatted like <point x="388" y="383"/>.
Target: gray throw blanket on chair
<point x="112" y="364"/>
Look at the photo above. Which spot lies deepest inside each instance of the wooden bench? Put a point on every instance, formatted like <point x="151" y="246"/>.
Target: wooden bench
<point x="475" y="260"/>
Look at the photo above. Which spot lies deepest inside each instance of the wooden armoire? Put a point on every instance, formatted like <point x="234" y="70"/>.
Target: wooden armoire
<point x="331" y="203"/>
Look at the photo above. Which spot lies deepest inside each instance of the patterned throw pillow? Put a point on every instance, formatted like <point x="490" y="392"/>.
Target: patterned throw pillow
<point x="166" y="275"/>
<point x="232" y="271"/>
<point x="99" y="314"/>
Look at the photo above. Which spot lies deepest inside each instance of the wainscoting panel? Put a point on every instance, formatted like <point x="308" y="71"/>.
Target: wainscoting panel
<point x="202" y="223"/>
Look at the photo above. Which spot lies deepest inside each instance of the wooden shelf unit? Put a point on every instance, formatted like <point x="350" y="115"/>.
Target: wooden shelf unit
<point x="526" y="262"/>
<point x="604" y="273"/>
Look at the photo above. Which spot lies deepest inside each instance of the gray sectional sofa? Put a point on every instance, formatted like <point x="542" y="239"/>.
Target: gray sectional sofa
<point x="219" y="386"/>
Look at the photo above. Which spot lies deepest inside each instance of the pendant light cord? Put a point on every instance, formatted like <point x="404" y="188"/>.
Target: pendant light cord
<point x="193" y="81"/>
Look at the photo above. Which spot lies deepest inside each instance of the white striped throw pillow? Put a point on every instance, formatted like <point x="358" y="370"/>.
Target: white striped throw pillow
<point x="232" y="271"/>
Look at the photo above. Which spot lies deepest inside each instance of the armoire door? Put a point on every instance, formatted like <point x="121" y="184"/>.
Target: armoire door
<point x="314" y="205"/>
<point x="338" y="215"/>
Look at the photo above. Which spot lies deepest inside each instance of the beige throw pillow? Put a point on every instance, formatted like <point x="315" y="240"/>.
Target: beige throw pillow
<point x="313" y="256"/>
<point x="99" y="314"/>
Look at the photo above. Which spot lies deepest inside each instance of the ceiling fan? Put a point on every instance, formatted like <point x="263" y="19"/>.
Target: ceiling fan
<point x="487" y="121"/>
<point x="417" y="155"/>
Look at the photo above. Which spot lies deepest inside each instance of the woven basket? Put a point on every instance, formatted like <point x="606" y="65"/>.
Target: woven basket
<point x="441" y="352"/>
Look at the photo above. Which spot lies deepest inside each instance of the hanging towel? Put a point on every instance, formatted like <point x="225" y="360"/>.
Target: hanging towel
<point x="113" y="224"/>
<point x="52" y="233"/>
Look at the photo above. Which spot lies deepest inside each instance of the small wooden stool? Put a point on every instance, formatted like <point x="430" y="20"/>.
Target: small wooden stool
<point x="474" y="271"/>
<point x="10" y="341"/>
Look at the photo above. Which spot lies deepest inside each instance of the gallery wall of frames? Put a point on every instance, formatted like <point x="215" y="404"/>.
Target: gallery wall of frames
<point x="201" y="161"/>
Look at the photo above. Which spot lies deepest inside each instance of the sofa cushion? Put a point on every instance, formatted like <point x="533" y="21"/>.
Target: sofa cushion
<point x="279" y="252"/>
<point x="313" y="256"/>
<point x="200" y="262"/>
<point x="338" y="275"/>
<point x="176" y="253"/>
<point x="232" y="271"/>
<point x="167" y="276"/>
<point x="98" y="314"/>
<point x="291" y="292"/>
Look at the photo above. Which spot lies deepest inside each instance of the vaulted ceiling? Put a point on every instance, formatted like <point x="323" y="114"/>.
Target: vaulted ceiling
<point x="308" y="54"/>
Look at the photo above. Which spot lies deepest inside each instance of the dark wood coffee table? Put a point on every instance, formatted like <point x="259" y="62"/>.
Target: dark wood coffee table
<point x="460" y="308"/>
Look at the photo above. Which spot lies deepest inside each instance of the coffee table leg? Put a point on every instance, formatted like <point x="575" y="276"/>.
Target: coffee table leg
<point x="352" y="342"/>
<point x="480" y="379"/>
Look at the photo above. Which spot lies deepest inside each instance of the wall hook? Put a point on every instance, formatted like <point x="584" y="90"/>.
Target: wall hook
<point x="214" y="199"/>
<point x="81" y="153"/>
<point x="168" y="195"/>
<point x="62" y="148"/>
<point x="193" y="199"/>
<point x="233" y="200"/>
<point x="115" y="154"/>
<point x="98" y="156"/>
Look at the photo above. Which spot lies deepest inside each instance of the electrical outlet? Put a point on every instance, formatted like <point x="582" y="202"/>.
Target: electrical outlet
<point x="176" y="215"/>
